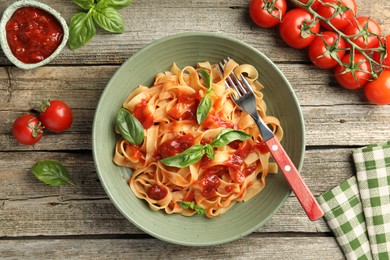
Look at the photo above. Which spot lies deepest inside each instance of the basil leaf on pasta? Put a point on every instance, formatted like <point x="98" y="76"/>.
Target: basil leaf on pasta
<point x="129" y="127"/>
<point x="203" y="109"/>
<point x="192" y="205"/>
<point x="205" y="75"/>
<point x="209" y="151"/>
<point x="186" y="158"/>
<point x="229" y="135"/>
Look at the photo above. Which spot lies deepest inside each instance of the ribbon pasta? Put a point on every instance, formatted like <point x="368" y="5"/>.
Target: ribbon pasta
<point x="167" y="111"/>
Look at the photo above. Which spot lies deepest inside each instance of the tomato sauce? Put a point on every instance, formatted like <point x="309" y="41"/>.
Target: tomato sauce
<point x="33" y="34"/>
<point x="185" y="107"/>
<point x="142" y="113"/>
<point x="174" y="146"/>
<point x="216" y="120"/>
<point x="156" y="192"/>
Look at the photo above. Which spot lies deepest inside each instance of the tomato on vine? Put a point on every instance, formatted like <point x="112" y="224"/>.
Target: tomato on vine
<point x="267" y="13"/>
<point x="367" y="32"/>
<point x="298" y="28"/>
<point x="27" y="129"/>
<point x="378" y="90"/>
<point x="56" y="115"/>
<point x="314" y="4"/>
<point x="339" y="13"/>
<point x="327" y="50"/>
<point x="383" y="57"/>
<point x="355" y="71"/>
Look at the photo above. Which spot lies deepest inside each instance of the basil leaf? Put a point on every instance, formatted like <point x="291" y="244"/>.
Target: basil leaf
<point x="81" y="30"/>
<point x="229" y="135"/>
<point x="205" y="75"/>
<point x="191" y="205"/>
<point x="209" y="151"/>
<point x="117" y="4"/>
<point x="51" y="172"/>
<point x="199" y="210"/>
<point x="186" y="204"/>
<point x="203" y="109"/>
<point x="186" y="158"/>
<point x="85" y="4"/>
<point x="109" y="19"/>
<point x="129" y="127"/>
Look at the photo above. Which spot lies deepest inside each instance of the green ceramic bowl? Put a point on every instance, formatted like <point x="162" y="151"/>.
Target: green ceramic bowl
<point x="188" y="49"/>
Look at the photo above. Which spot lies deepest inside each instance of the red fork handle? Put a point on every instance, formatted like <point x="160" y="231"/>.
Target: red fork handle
<point x="297" y="184"/>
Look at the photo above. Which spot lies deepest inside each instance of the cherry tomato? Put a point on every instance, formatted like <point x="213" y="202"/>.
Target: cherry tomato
<point x="298" y="28"/>
<point x="346" y="11"/>
<point x="378" y="91"/>
<point x="27" y="129"/>
<point x="370" y="30"/>
<point x="383" y="57"/>
<point x="267" y="13"/>
<point x="353" y="75"/>
<point x="56" y="116"/>
<point x="327" y="50"/>
<point x="313" y="5"/>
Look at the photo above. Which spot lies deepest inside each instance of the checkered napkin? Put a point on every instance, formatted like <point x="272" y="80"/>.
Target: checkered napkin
<point x="358" y="209"/>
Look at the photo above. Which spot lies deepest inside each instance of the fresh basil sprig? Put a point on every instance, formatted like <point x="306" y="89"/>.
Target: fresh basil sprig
<point x="196" y="152"/>
<point x="192" y="205"/>
<point x="52" y="173"/>
<point x="229" y="135"/>
<point x="207" y="102"/>
<point x="129" y="127"/>
<point x="104" y="13"/>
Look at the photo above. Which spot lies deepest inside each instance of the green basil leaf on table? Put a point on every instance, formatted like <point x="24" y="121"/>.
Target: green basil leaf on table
<point x="52" y="173"/>
<point x="117" y="4"/>
<point x="109" y="19"/>
<point x="203" y="109"/>
<point x="229" y="135"/>
<point x="85" y="4"/>
<point x="186" y="158"/>
<point x="129" y="127"/>
<point x="81" y="30"/>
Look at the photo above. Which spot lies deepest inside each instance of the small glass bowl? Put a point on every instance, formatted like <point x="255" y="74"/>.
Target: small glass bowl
<point x="3" y="35"/>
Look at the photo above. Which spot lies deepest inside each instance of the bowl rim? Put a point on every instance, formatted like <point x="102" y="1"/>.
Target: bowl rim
<point x="9" y="11"/>
<point x="119" y="71"/>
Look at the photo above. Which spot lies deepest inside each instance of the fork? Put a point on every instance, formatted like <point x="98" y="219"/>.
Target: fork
<point x="245" y="98"/>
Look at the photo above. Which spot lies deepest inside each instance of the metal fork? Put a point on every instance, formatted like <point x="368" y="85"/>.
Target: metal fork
<point x="244" y="97"/>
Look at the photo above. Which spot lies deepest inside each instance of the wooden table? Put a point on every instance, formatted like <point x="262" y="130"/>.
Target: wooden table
<point x="40" y="221"/>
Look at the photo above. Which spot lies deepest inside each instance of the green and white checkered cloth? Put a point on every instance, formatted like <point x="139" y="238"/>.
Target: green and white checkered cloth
<point x="358" y="209"/>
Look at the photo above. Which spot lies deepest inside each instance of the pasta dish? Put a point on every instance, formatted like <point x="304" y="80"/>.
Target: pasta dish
<point x="191" y="148"/>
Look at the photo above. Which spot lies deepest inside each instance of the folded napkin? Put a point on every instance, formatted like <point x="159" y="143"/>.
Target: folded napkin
<point x="358" y="209"/>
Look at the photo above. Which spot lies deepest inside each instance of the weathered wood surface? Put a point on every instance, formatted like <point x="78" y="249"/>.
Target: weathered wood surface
<point x="39" y="221"/>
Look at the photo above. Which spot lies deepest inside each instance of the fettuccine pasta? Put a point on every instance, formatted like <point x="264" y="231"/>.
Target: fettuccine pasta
<point x="167" y="111"/>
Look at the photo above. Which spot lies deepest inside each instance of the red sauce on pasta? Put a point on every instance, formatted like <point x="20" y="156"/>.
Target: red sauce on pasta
<point x="33" y="34"/>
<point x="133" y="151"/>
<point x="261" y="147"/>
<point x="186" y="107"/>
<point x="216" y="120"/>
<point x="210" y="185"/>
<point x="156" y="192"/>
<point x="175" y="146"/>
<point x="142" y="113"/>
